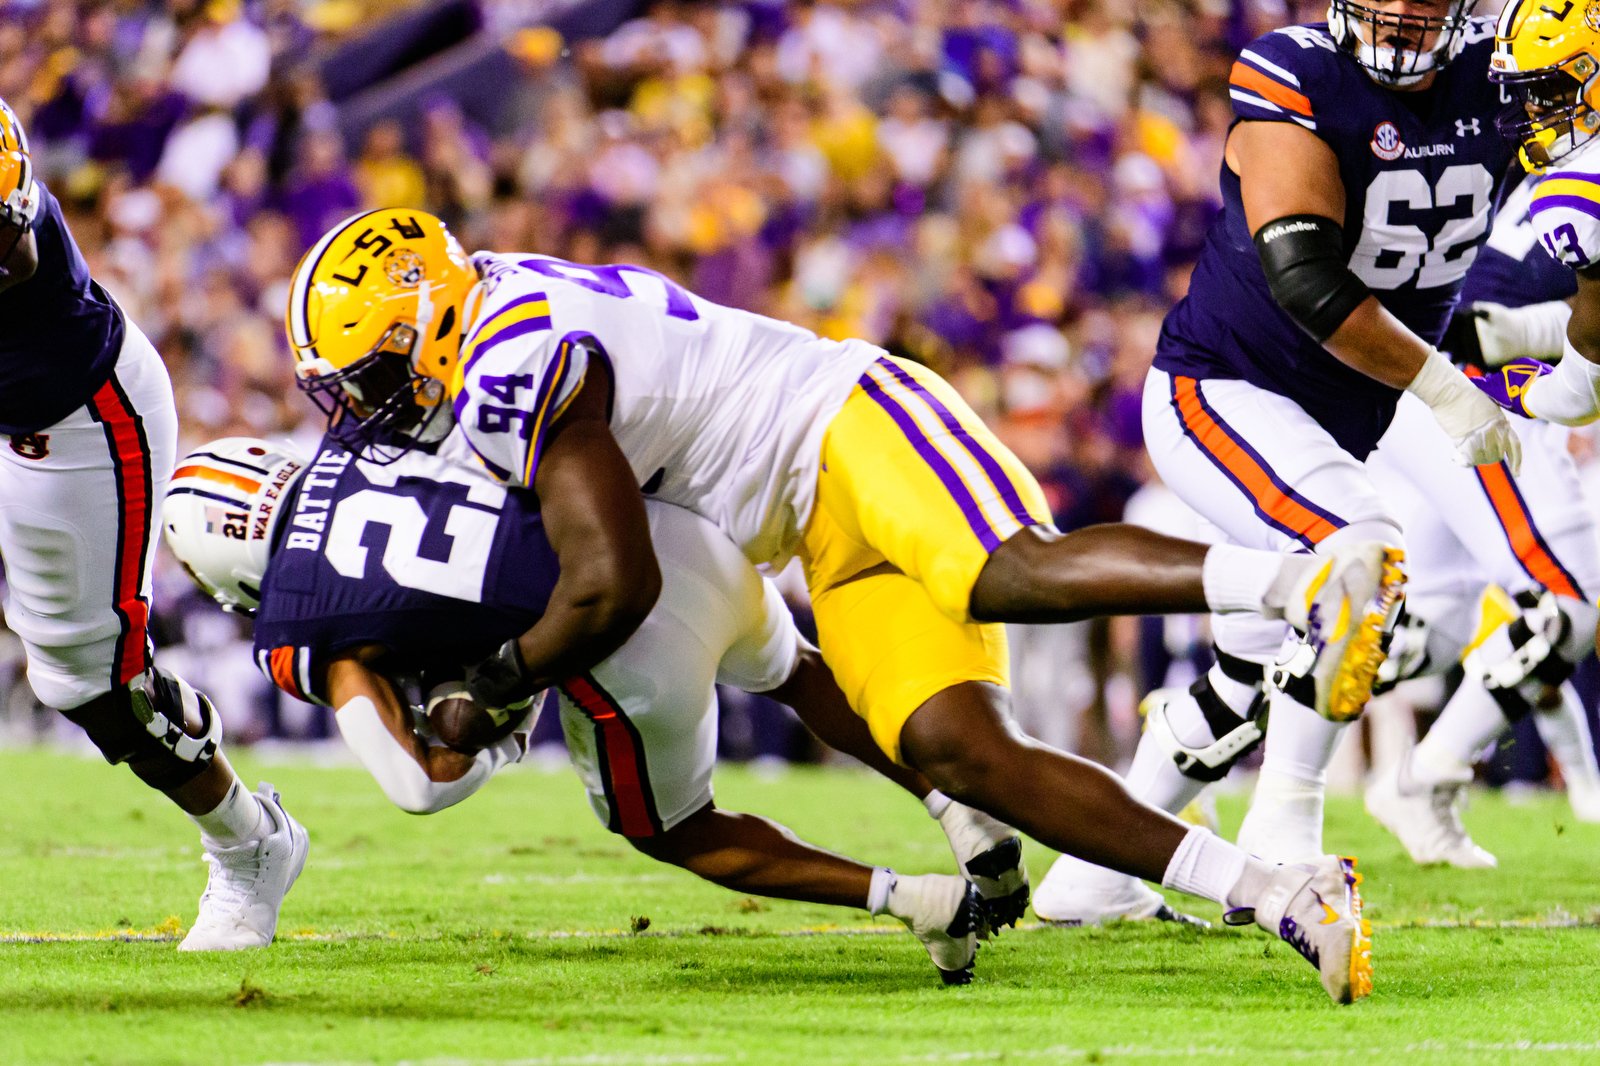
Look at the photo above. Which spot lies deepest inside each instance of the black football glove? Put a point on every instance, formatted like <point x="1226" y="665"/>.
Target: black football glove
<point x="502" y="679"/>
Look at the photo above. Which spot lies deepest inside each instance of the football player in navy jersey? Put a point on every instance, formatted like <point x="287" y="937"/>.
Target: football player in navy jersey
<point x="86" y="412"/>
<point x="360" y="575"/>
<point x="1357" y="184"/>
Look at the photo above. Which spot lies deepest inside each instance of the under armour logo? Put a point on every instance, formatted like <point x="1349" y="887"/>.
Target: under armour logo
<point x="1466" y="126"/>
<point x="31" y="445"/>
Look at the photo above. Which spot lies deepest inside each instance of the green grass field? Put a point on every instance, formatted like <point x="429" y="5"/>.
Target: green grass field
<point x="511" y="929"/>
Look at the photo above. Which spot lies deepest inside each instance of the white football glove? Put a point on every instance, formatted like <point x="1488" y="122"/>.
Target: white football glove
<point x="1537" y="331"/>
<point x="1475" y="424"/>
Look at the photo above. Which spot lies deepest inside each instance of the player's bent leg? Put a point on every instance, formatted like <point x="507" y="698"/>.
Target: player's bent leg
<point x="749" y="854"/>
<point x="1192" y="738"/>
<point x="988" y="852"/>
<point x="965" y="743"/>
<point x="78" y="526"/>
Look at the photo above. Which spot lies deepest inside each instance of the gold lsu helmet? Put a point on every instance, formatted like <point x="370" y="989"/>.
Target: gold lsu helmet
<point x="1547" y="55"/>
<point x="19" y="199"/>
<point x="375" y="314"/>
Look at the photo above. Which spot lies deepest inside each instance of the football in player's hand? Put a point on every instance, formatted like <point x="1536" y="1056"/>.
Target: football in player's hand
<point x="462" y="725"/>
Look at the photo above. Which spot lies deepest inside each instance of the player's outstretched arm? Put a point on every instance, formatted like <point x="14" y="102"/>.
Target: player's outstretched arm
<point x="417" y="777"/>
<point x="21" y="260"/>
<point x="1570" y="394"/>
<point x="1294" y="204"/>
<point x="595" y="519"/>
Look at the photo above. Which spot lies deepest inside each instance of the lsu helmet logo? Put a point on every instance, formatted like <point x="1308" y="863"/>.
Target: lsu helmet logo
<point x="1386" y="142"/>
<point x="31" y="445"/>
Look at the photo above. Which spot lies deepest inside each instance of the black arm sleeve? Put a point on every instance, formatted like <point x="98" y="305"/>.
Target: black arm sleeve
<point x="1303" y="256"/>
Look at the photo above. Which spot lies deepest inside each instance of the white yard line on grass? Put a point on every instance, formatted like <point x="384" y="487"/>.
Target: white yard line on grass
<point x="1218" y="1051"/>
<point x="171" y="931"/>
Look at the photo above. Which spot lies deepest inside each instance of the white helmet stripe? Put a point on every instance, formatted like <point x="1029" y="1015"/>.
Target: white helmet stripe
<point x="1508" y="17"/>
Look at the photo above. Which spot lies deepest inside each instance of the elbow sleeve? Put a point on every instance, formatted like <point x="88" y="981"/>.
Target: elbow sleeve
<point x="1303" y="257"/>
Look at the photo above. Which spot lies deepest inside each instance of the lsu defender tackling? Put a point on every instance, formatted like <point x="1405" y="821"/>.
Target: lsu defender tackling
<point x="918" y="531"/>
<point x="366" y="580"/>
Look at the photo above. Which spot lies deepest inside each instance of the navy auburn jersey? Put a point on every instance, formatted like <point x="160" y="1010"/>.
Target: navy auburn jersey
<point x="427" y="558"/>
<point x="1514" y="269"/>
<point x="61" y="332"/>
<point x="1420" y="172"/>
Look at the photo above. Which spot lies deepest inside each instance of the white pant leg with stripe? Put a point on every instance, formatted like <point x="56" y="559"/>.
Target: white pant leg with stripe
<point x="80" y="506"/>
<point x="1466" y="527"/>
<point x="641" y="727"/>
<point x="1263" y="474"/>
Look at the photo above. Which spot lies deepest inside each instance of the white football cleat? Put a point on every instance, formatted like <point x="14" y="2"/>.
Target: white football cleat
<point x="947" y="915"/>
<point x="1315" y="908"/>
<point x="1078" y="893"/>
<point x="1344" y="608"/>
<point x="1426" y="818"/>
<point x="239" y="908"/>
<point x="989" y="853"/>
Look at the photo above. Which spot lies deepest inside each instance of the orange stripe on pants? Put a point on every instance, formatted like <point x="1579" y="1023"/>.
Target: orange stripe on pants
<point x="1525" y="541"/>
<point x="1257" y="482"/>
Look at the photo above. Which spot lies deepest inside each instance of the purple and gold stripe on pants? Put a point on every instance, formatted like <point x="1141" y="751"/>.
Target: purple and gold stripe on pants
<point x="964" y="465"/>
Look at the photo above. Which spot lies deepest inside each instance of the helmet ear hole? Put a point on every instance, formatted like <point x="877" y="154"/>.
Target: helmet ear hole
<point x="446" y="322"/>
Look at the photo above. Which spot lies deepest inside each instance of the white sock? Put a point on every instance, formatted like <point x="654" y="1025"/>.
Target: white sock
<point x="936" y="803"/>
<point x="1466" y="725"/>
<point x="239" y="818"/>
<point x="1565" y="731"/>
<point x="1237" y="579"/>
<point x="1300" y="741"/>
<point x="1205" y="865"/>
<point x="883" y="880"/>
<point x="1155" y="779"/>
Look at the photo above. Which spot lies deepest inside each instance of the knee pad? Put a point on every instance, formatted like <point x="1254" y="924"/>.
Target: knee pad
<point x="1233" y="736"/>
<point x="1532" y="654"/>
<point x="144" y="725"/>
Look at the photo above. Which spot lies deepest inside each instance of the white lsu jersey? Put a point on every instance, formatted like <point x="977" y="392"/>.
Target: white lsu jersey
<point x="1565" y="208"/>
<point x="717" y="410"/>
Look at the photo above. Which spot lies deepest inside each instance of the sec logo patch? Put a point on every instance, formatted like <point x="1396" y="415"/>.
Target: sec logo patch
<point x="1386" y="143"/>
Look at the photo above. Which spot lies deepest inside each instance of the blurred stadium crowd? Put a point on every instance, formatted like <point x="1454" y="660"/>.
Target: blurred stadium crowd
<point x="1012" y="191"/>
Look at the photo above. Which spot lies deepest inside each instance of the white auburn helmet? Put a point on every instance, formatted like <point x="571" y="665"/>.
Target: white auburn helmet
<point x="220" y="512"/>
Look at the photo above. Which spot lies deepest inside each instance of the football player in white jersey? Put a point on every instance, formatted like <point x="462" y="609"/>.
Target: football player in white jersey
<point x="1548" y="57"/>
<point x="918" y="531"/>
<point x="1532" y="534"/>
